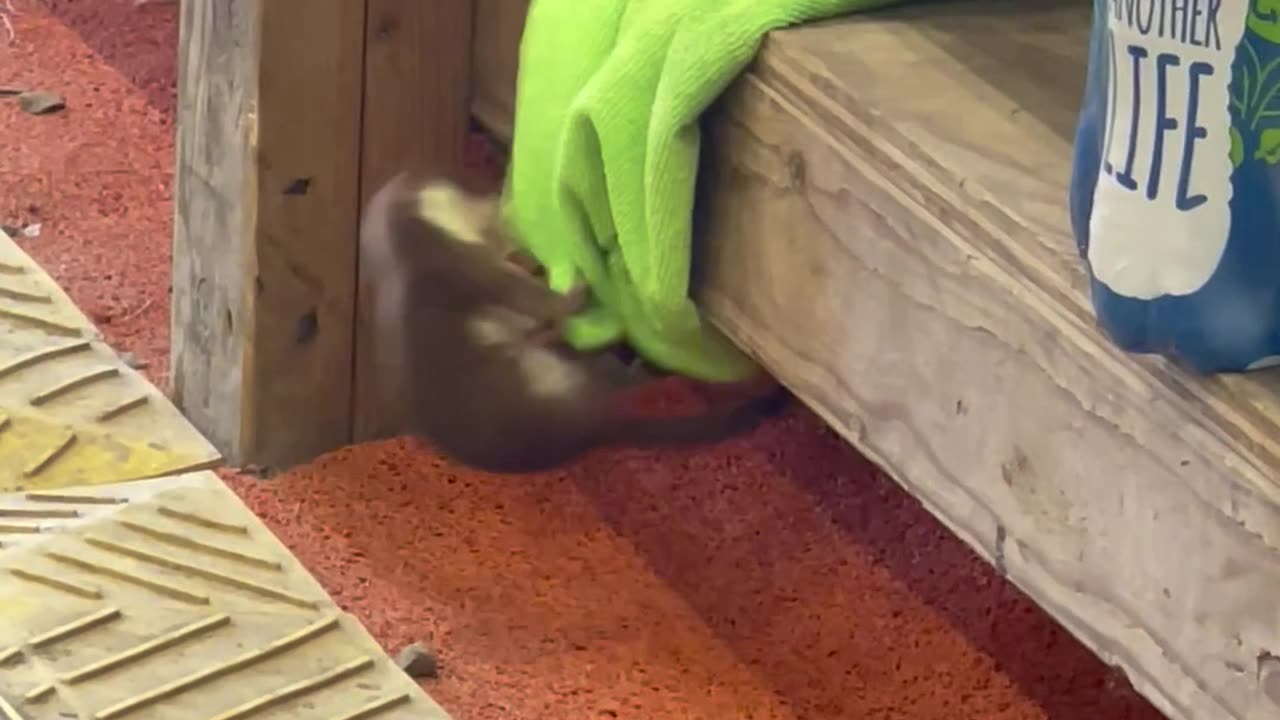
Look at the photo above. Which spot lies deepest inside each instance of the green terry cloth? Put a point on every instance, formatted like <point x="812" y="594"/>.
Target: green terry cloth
<point x="605" y="156"/>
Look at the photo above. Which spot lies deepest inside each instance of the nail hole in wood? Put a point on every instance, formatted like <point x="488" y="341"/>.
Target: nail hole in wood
<point x="298" y="187"/>
<point x="308" y="327"/>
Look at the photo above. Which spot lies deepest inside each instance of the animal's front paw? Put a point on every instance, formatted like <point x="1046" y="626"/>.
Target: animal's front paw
<point x="524" y="260"/>
<point x="578" y="296"/>
<point x="541" y="336"/>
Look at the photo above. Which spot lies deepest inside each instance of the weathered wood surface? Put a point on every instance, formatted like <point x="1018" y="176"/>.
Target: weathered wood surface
<point x="888" y="232"/>
<point x="495" y="57"/>
<point x="269" y="96"/>
<point x="416" y="87"/>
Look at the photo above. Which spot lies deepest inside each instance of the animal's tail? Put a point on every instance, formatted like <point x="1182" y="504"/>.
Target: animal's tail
<point x="722" y="421"/>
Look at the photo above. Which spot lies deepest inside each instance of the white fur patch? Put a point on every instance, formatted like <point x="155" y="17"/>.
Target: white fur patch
<point x="489" y="331"/>
<point x="458" y="213"/>
<point x="548" y="374"/>
<point x="498" y="325"/>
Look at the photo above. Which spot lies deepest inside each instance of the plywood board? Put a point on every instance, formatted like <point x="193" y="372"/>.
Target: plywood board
<point x="169" y="599"/>
<point x="887" y="230"/>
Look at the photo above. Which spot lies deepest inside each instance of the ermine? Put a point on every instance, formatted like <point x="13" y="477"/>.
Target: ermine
<point x="453" y="325"/>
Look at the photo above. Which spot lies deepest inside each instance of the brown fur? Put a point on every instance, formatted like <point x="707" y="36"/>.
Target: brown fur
<point x="453" y="325"/>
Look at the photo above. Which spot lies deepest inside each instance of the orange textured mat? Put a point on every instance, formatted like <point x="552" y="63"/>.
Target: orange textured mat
<point x="778" y="576"/>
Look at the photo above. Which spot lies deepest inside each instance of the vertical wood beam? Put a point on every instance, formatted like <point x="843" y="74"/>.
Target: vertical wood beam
<point x="267" y="193"/>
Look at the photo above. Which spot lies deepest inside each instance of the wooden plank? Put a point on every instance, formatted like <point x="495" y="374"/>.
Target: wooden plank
<point x="495" y="57"/>
<point x="887" y="230"/>
<point x="267" y="205"/>
<point x="416" y="80"/>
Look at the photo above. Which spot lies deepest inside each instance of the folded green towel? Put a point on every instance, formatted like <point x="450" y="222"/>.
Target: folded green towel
<point x="605" y="156"/>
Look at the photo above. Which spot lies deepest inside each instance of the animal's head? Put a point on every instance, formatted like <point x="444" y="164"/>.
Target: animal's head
<point x="464" y="216"/>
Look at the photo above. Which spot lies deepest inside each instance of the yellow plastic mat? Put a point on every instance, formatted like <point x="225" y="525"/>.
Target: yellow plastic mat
<point x="167" y="598"/>
<point x="71" y="411"/>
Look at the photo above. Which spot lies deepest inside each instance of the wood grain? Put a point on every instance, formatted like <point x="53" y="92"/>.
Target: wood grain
<point x="887" y="231"/>
<point x="416" y="86"/>
<point x="495" y="58"/>
<point x="267" y="202"/>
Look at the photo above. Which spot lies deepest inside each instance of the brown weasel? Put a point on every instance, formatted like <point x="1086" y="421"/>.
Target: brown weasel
<point x="452" y="325"/>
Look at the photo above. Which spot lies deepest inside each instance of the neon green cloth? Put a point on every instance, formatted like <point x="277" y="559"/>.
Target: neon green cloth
<point x="605" y="157"/>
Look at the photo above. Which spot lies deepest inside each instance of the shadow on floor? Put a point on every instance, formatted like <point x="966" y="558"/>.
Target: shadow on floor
<point x="769" y="550"/>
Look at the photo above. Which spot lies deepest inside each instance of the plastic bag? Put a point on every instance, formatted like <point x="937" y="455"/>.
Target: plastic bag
<point x="1175" y="188"/>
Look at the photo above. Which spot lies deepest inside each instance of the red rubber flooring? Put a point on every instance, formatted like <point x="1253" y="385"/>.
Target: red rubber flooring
<point x="779" y="576"/>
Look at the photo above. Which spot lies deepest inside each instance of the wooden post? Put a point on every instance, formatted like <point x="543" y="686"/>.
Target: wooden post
<point x="416" y="91"/>
<point x="291" y="114"/>
<point x="267" y="201"/>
